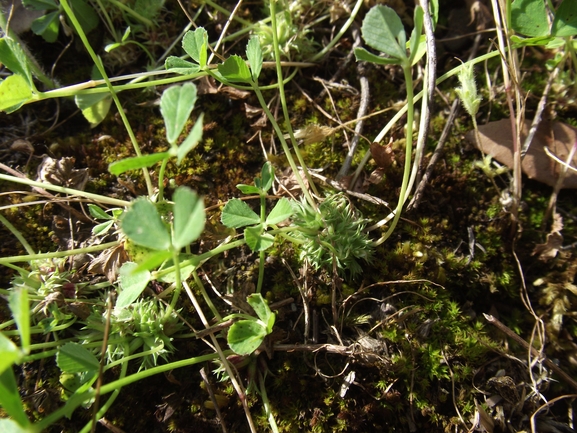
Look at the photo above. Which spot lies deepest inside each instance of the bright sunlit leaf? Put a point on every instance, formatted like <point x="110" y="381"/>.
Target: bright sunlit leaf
<point x="282" y="210"/>
<point x="529" y="17"/>
<point x="383" y="30"/>
<point x="189" y="217"/>
<point x="256" y="239"/>
<point x="245" y="336"/>
<point x="236" y="213"/>
<point x="235" y="69"/>
<point x="136" y="162"/>
<point x="142" y="225"/>
<point x="176" y="104"/>
<point x="195" y="44"/>
<point x="254" y="56"/>
<point x="191" y="141"/>
<point x="132" y="283"/>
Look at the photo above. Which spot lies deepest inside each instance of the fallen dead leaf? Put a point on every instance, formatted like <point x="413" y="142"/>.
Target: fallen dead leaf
<point x="554" y="241"/>
<point x="497" y="140"/>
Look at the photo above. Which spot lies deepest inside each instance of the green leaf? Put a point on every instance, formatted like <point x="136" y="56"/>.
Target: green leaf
<point x="248" y="189"/>
<point x="132" y="283"/>
<point x="266" y="177"/>
<point x="11" y="354"/>
<point x="98" y="213"/>
<point x="236" y="213"/>
<point x="94" y="107"/>
<point x="529" y="17"/>
<point x="152" y="259"/>
<point x="191" y="141"/>
<point x="185" y="271"/>
<point x="383" y="30"/>
<point x="47" y="26"/>
<point x="254" y="56"/>
<point x="415" y="40"/>
<point x="14" y="92"/>
<point x="282" y="210"/>
<point x="85" y="14"/>
<point x="10" y="398"/>
<point x="421" y="50"/>
<point x="364" y="56"/>
<point x="100" y="229"/>
<point x="262" y="310"/>
<point x="176" y="104"/>
<point x="256" y="239"/>
<point x="74" y="358"/>
<point x="180" y="66"/>
<point x="565" y="23"/>
<point x="136" y="162"/>
<point x="195" y="44"/>
<point x="245" y="336"/>
<point x="148" y="8"/>
<point x="189" y="217"/>
<point x="14" y="58"/>
<point x="8" y="425"/>
<point x="142" y="225"/>
<point x="40" y="5"/>
<point x="235" y="69"/>
<point x="18" y="302"/>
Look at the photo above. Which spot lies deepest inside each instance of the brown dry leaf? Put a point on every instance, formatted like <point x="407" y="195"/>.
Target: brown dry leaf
<point x="62" y="172"/>
<point x="497" y="141"/>
<point x="554" y="241"/>
<point x="109" y="262"/>
<point x="384" y="156"/>
<point x="207" y="85"/>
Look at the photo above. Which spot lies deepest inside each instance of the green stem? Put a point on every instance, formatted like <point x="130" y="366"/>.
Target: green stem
<point x="161" y="179"/>
<point x="408" y="152"/>
<point x="266" y="403"/>
<point x="57" y="254"/>
<point x="177" y="285"/>
<point x="285" y="147"/>
<point x="134" y="14"/>
<point x="17" y="234"/>
<point x="205" y="296"/>
<point x="64" y="190"/>
<point x="102" y="71"/>
<point x="286" y="114"/>
<point x="341" y="32"/>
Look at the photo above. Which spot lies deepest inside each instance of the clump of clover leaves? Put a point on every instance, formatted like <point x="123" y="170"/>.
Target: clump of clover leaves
<point x="176" y="104"/>
<point x="237" y="214"/>
<point x="247" y="334"/>
<point x="164" y="237"/>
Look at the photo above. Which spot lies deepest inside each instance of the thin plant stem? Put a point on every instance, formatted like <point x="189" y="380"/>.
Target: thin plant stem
<point x="74" y="192"/>
<point x="344" y="28"/>
<point x="177" y="284"/>
<point x="161" y="172"/>
<point x="57" y="254"/>
<point x="17" y="234"/>
<point x="285" y="147"/>
<point x="102" y="71"/>
<point x="408" y="153"/>
<point x="282" y="94"/>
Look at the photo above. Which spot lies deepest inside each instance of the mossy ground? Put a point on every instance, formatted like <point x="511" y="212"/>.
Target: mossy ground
<point x="421" y="301"/>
